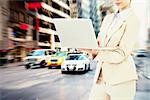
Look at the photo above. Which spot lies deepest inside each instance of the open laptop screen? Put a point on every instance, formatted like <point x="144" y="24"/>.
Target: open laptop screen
<point x="76" y="33"/>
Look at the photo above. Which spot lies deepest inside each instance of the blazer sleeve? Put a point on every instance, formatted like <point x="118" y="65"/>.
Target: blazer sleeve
<point x="125" y="48"/>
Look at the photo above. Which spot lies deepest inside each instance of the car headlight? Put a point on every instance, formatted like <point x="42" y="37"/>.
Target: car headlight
<point x="38" y="59"/>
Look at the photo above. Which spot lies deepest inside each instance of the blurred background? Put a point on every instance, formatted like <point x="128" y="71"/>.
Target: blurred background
<point x="26" y="28"/>
<point x="26" y="25"/>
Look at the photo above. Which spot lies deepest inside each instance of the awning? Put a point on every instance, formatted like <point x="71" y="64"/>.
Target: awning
<point x="24" y="26"/>
<point x="33" y="5"/>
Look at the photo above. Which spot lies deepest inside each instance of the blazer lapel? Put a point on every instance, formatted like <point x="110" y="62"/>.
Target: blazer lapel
<point x="104" y="30"/>
<point x="113" y="31"/>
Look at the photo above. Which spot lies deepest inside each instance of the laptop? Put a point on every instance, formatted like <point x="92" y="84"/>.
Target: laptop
<point x="76" y="33"/>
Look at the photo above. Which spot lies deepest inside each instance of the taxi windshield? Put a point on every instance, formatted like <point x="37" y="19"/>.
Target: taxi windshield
<point x="36" y="53"/>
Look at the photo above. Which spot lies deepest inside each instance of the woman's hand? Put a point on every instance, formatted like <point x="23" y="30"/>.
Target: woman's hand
<point x="90" y="51"/>
<point x="85" y="50"/>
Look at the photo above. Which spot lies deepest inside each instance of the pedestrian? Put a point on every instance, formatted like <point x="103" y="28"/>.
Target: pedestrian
<point x="115" y="76"/>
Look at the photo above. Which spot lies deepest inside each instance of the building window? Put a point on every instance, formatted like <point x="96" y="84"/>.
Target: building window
<point x="44" y="38"/>
<point x="67" y="2"/>
<point x="30" y="20"/>
<point x="66" y="11"/>
<point x="43" y="12"/>
<point x="34" y="32"/>
<point x="21" y="17"/>
<point x="46" y="1"/>
<point x="52" y="26"/>
<point x="44" y="24"/>
<point x="11" y="14"/>
<point x="27" y="19"/>
<point x="56" y="38"/>
<point x="55" y="5"/>
<point x="18" y="51"/>
<point x="19" y="33"/>
<point x="16" y="15"/>
<point x="54" y="15"/>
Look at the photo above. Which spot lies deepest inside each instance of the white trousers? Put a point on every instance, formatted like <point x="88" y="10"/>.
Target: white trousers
<point x="123" y="91"/>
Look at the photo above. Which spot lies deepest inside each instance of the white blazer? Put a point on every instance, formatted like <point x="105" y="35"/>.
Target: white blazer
<point x="117" y="64"/>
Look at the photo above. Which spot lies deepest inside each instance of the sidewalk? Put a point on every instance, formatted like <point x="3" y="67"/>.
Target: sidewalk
<point x="9" y="65"/>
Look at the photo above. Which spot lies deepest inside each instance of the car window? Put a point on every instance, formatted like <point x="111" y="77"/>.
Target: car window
<point x="61" y="54"/>
<point x="81" y="58"/>
<point x="72" y="57"/>
<point x="141" y="55"/>
<point x="76" y="57"/>
<point x="37" y="53"/>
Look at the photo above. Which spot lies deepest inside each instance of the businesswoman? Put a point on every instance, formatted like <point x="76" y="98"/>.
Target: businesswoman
<point x="115" y="77"/>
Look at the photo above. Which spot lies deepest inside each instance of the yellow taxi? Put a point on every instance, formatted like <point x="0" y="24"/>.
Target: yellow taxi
<point x="56" y="60"/>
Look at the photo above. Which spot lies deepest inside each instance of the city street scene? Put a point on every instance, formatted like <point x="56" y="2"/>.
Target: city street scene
<point x="35" y="66"/>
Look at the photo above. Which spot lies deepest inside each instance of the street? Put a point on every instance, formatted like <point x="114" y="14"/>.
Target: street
<point x="143" y="83"/>
<point x="17" y="83"/>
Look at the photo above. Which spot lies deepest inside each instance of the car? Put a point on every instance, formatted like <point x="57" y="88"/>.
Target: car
<point x="56" y="60"/>
<point x="76" y="62"/>
<point x="37" y="58"/>
<point x="141" y="53"/>
<point x="140" y="57"/>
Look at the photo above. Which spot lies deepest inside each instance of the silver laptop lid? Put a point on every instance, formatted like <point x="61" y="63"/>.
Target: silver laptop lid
<point x="76" y="33"/>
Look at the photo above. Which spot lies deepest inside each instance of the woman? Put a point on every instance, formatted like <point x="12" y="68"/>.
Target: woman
<point x="116" y="76"/>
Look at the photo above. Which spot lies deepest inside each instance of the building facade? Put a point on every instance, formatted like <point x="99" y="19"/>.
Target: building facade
<point x="3" y="30"/>
<point x="74" y="9"/>
<point x="95" y="15"/>
<point x="48" y="36"/>
<point x="3" y="23"/>
<point x="24" y="29"/>
<point x="20" y="30"/>
<point x="86" y="9"/>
